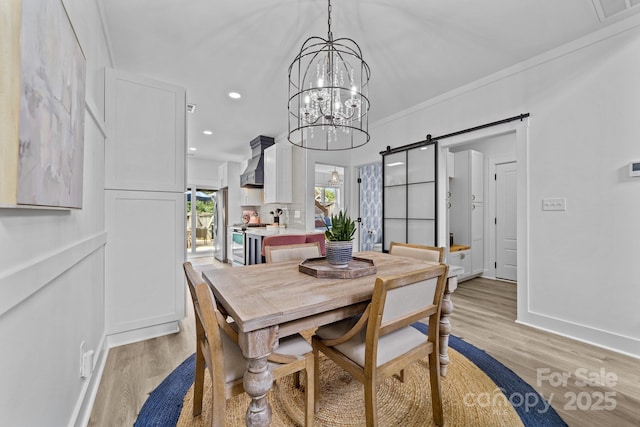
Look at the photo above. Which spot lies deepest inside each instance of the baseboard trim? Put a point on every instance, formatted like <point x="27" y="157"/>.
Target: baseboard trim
<point x="87" y="398"/>
<point x="141" y="334"/>
<point x="628" y="346"/>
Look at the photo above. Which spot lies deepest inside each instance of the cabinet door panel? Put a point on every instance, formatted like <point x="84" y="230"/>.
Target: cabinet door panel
<point x="477" y="221"/>
<point x="146" y="127"/>
<point x="477" y="176"/>
<point x="144" y="284"/>
<point x="277" y="174"/>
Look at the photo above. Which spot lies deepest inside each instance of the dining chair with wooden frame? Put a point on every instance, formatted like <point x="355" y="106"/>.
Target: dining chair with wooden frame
<point x="425" y="253"/>
<point x="382" y="341"/>
<point x="293" y="252"/>
<point x="421" y="252"/>
<point x="217" y="350"/>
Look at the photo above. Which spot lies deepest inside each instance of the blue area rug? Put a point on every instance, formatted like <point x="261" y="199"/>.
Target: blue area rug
<point x="164" y="404"/>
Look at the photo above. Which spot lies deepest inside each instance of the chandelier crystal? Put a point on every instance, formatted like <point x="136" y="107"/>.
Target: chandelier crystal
<point x="328" y="96"/>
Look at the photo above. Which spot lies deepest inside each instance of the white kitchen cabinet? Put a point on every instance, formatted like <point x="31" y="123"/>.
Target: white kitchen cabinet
<point x="277" y="174"/>
<point x="250" y="196"/>
<point x="145" y="228"/>
<point x="461" y="259"/>
<point x="451" y="165"/>
<point x="223" y="173"/>
<point x="144" y="207"/>
<point x="154" y="129"/>
<point x="476" y="174"/>
<point x="477" y="238"/>
<point x="467" y="207"/>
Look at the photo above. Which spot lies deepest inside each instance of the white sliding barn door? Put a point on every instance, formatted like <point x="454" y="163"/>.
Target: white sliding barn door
<point x="506" y="221"/>
<point x="145" y="218"/>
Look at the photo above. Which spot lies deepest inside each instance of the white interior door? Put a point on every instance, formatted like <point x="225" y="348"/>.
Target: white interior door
<point x="506" y="221"/>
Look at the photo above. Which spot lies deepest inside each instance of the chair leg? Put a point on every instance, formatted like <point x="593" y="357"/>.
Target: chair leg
<point x="316" y="379"/>
<point x="370" y="406"/>
<point x="401" y="376"/>
<point x="296" y="379"/>
<point x="309" y="390"/>
<point x="218" y="404"/>
<point x="436" y="391"/>
<point x="198" y="386"/>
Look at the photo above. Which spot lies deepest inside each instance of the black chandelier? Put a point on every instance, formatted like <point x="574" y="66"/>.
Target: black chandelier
<point x="328" y="97"/>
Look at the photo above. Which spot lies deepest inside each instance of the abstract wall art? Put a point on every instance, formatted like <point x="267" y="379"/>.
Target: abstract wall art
<point x="50" y="144"/>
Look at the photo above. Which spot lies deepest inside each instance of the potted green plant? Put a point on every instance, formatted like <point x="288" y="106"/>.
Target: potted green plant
<point x="339" y="236"/>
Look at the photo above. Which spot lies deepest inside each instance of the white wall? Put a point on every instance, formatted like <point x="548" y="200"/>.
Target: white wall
<point x="203" y="173"/>
<point x="584" y="101"/>
<point x="52" y="275"/>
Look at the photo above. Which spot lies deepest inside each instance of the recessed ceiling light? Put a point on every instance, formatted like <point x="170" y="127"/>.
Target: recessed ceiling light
<point x="207" y="132"/>
<point x="192" y="148"/>
<point x="234" y="95"/>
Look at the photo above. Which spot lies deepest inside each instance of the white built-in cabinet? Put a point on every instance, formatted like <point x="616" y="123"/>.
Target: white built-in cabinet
<point x="278" y="174"/>
<point x="250" y="196"/>
<point x="223" y="172"/>
<point x="461" y="259"/>
<point x="144" y="207"/>
<point x="467" y="211"/>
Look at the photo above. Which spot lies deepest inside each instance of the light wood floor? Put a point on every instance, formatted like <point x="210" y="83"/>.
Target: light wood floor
<point x="484" y="316"/>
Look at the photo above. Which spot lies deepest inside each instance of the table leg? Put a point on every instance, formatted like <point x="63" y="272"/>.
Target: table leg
<point x="445" y="324"/>
<point x="257" y="382"/>
<point x="256" y="347"/>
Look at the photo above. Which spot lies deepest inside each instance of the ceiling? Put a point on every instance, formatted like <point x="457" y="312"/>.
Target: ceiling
<point x="417" y="49"/>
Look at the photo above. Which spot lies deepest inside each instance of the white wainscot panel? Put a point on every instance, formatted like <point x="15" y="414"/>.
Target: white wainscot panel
<point x="144" y="254"/>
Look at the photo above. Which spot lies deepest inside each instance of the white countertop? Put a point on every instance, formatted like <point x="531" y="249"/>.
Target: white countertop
<point x="259" y="231"/>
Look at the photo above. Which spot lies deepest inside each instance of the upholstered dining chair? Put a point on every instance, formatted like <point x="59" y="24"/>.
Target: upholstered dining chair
<point x="282" y="239"/>
<point x="425" y="253"/>
<point x="382" y="341"/>
<point x="298" y="251"/>
<point x="217" y="350"/>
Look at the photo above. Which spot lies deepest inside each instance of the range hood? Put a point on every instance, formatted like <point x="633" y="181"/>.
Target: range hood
<point x="253" y="175"/>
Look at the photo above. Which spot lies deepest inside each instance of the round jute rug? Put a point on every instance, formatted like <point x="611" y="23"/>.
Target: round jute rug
<point x="470" y="398"/>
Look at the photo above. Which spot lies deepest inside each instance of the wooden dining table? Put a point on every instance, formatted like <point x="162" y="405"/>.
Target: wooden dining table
<point x="272" y="301"/>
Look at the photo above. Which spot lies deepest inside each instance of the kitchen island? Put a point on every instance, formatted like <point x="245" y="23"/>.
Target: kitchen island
<point x="254" y="236"/>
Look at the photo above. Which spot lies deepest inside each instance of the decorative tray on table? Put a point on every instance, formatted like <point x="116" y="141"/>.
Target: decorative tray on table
<point x="319" y="267"/>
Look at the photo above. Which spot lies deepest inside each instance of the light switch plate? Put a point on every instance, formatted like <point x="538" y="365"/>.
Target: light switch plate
<point x="554" y="204"/>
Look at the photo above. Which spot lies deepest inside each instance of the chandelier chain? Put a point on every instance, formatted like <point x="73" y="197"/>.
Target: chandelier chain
<point x="329" y="19"/>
